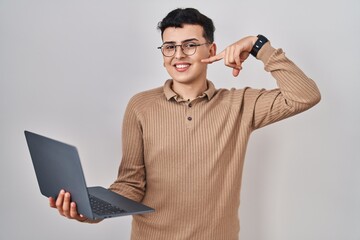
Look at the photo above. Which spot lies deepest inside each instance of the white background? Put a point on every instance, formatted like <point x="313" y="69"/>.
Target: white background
<point x="68" y="69"/>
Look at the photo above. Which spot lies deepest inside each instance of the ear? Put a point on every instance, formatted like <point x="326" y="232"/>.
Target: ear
<point x="212" y="50"/>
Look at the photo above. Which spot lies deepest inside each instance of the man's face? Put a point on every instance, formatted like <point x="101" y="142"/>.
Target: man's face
<point x="181" y="67"/>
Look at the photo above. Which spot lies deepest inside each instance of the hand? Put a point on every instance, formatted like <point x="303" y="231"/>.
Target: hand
<point x="65" y="207"/>
<point x="235" y="54"/>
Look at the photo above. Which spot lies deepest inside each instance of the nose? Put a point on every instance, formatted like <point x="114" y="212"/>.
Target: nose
<point x="179" y="52"/>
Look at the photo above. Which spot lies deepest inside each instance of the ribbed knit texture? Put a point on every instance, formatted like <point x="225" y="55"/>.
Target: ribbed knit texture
<point x="185" y="159"/>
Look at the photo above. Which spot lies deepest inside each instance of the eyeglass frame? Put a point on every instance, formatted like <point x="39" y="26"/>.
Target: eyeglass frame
<point x="182" y="49"/>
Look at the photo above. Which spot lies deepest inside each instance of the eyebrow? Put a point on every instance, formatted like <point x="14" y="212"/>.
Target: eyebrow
<point x="187" y="40"/>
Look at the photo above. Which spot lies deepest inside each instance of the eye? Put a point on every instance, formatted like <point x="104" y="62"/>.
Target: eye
<point x="189" y="45"/>
<point x="168" y="47"/>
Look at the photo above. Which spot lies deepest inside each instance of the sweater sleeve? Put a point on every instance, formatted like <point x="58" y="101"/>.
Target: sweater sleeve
<point x="295" y="93"/>
<point x="131" y="175"/>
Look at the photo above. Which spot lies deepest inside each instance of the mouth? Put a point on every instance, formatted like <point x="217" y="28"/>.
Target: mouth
<point x="182" y="67"/>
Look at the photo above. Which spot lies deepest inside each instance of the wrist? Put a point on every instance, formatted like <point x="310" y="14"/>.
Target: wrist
<point x="254" y="39"/>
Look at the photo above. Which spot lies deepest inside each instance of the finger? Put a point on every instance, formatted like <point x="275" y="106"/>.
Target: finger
<point x="233" y="65"/>
<point x="52" y="202"/>
<point x="214" y="58"/>
<point x="237" y="54"/>
<point x="230" y="62"/>
<point x="73" y="211"/>
<point x="229" y="58"/>
<point x="59" y="202"/>
<point x="243" y="56"/>
<point x="66" y="205"/>
<point x="227" y="61"/>
<point x="236" y="71"/>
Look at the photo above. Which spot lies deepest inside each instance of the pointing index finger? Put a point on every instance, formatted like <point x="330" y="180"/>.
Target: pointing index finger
<point x="214" y="58"/>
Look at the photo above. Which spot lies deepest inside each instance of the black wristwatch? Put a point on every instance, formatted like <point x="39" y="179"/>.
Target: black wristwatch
<point x="258" y="44"/>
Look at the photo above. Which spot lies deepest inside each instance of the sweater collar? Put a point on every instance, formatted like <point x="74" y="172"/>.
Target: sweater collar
<point x="169" y="93"/>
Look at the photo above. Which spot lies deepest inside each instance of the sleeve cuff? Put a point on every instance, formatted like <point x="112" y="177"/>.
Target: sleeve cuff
<point x="265" y="52"/>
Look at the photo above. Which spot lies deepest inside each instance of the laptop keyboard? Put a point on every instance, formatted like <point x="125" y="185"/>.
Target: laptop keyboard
<point x="100" y="207"/>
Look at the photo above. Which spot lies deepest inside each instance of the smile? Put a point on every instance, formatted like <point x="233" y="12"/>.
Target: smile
<point x="182" y="66"/>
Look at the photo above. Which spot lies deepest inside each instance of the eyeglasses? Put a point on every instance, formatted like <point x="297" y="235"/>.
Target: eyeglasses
<point x="188" y="48"/>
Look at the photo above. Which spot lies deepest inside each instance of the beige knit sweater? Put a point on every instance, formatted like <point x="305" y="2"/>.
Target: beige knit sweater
<point x="185" y="159"/>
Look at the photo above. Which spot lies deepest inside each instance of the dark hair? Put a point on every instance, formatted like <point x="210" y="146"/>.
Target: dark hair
<point x="181" y="16"/>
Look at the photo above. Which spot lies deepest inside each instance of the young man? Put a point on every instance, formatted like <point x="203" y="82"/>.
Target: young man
<point x="184" y="143"/>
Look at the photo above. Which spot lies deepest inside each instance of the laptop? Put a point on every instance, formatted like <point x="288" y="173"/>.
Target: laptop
<point x="57" y="166"/>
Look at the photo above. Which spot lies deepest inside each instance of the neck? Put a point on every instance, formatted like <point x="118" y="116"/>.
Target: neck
<point x="189" y="91"/>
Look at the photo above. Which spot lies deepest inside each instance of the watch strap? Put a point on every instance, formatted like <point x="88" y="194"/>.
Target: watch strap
<point x="258" y="44"/>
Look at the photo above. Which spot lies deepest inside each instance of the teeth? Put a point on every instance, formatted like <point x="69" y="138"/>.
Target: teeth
<point x="182" y="66"/>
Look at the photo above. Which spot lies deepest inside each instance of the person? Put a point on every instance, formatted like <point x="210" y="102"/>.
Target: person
<point x="184" y="143"/>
